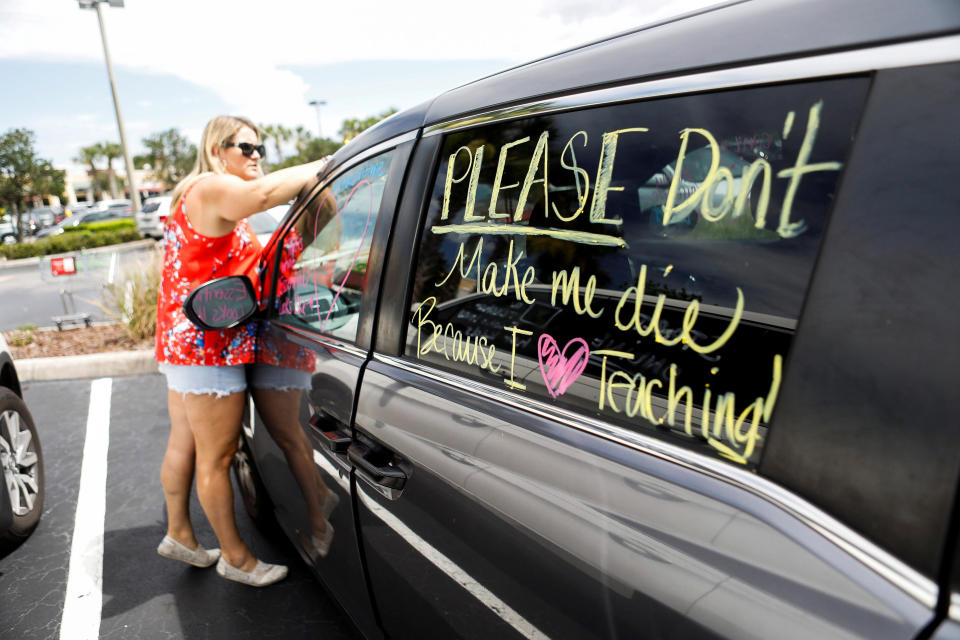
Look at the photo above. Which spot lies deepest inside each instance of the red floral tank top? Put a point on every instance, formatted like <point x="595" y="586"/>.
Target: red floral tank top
<point x="189" y="260"/>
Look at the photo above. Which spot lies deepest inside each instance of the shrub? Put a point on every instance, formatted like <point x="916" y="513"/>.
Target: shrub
<point x="80" y="238"/>
<point x="21" y="337"/>
<point x="16" y="251"/>
<point x="105" y="225"/>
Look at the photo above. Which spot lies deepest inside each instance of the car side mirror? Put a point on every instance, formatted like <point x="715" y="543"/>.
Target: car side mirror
<point x="222" y="303"/>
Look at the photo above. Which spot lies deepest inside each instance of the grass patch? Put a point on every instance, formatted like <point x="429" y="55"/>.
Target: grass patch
<point x="21" y="337"/>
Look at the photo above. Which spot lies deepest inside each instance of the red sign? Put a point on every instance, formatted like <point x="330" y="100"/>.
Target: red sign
<point x="63" y="266"/>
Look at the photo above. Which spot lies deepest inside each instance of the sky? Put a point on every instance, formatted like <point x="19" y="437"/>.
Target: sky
<point x="178" y="63"/>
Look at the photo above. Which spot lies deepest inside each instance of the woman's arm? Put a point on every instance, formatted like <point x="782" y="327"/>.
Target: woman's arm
<point x="219" y="201"/>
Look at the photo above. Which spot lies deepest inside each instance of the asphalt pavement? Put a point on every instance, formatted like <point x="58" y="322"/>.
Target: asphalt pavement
<point x="141" y="594"/>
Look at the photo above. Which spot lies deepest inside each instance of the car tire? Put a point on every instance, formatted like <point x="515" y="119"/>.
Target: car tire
<point x="255" y="499"/>
<point x="21" y="463"/>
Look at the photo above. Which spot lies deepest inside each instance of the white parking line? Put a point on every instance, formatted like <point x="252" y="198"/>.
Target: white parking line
<point x="82" y="608"/>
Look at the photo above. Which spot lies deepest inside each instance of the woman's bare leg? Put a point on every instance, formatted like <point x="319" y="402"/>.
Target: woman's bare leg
<point x="280" y="412"/>
<point x="176" y="474"/>
<point x="215" y="423"/>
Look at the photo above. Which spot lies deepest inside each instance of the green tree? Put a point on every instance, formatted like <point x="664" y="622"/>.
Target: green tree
<point x="309" y="148"/>
<point x="170" y="156"/>
<point x="352" y="127"/>
<point x="49" y="181"/>
<point x="313" y="149"/>
<point x="89" y="156"/>
<point x="23" y="175"/>
<point x="301" y="137"/>
<point x="110" y="150"/>
<point x="279" y="134"/>
<point x="103" y="183"/>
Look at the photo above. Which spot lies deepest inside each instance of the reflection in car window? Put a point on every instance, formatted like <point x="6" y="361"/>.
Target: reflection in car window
<point x="645" y="263"/>
<point x="324" y="261"/>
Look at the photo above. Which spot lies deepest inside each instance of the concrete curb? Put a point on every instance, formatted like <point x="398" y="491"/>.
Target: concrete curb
<point x="94" y="365"/>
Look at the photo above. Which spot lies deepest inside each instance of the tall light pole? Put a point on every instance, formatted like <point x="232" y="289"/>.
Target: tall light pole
<point x="317" y="104"/>
<point x="131" y="178"/>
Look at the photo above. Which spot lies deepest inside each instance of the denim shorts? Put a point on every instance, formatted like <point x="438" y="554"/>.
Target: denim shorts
<point x="222" y="381"/>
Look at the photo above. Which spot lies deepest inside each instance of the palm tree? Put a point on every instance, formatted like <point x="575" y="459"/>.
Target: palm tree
<point x="269" y="132"/>
<point x="89" y="156"/>
<point x="110" y="150"/>
<point x="281" y="135"/>
<point x="302" y="138"/>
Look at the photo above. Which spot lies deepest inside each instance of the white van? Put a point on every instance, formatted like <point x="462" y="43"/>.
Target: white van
<point x="153" y="216"/>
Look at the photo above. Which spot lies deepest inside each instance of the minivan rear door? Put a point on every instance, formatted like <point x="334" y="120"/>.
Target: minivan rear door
<point x="586" y="321"/>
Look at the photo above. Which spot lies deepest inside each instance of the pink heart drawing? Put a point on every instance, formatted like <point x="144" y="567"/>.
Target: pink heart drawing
<point x="560" y="370"/>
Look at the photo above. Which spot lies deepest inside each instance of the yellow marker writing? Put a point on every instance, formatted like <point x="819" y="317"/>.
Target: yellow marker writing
<point x="578" y="175"/>
<point x="608" y="151"/>
<point x="569" y="287"/>
<point x="498" y="185"/>
<point x="788" y="229"/>
<point x="579" y="237"/>
<point x="540" y="152"/>
<point x="510" y="382"/>
<point x="450" y="180"/>
<point x="788" y="124"/>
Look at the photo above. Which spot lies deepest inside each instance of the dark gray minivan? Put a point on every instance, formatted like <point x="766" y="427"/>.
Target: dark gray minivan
<point x="652" y="338"/>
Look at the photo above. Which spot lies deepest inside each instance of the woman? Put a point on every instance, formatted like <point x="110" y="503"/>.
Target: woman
<point x="208" y="237"/>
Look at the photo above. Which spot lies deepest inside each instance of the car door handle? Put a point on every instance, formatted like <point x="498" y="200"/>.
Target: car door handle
<point x="385" y="474"/>
<point x="327" y="430"/>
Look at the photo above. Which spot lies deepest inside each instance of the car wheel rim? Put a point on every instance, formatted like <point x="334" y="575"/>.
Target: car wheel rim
<point x="18" y="457"/>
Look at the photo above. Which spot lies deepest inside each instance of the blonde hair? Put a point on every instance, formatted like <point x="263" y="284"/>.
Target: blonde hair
<point x="218" y="132"/>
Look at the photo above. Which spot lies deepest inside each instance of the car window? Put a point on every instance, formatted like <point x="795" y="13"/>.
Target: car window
<point x="643" y="263"/>
<point x="324" y="255"/>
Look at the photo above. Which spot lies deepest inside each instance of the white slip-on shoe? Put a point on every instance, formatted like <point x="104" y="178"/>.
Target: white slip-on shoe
<point x="322" y="545"/>
<point x="199" y="557"/>
<point x="330" y="503"/>
<point x="262" y="575"/>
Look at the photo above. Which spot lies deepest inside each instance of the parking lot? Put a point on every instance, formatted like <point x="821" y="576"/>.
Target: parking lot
<point x="143" y="595"/>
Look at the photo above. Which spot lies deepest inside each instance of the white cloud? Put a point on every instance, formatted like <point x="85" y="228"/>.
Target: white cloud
<point x="236" y="49"/>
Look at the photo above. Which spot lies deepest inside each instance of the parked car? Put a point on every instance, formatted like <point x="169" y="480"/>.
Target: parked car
<point x="41" y="217"/>
<point x="8" y="233"/>
<point x="266" y="222"/>
<point x="71" y="210"/>
<point x="650" y="338"/>
<point x="121" y="204"/>
<point x="153" y="216"/>
<point x="21" y="460"/>
<point x="112" y="212"/>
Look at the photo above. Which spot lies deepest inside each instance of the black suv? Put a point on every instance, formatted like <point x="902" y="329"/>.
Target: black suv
<point x="651" y="338"/>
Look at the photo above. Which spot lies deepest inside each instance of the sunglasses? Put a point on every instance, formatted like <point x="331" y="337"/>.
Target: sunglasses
<point x="247" y="148"/>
